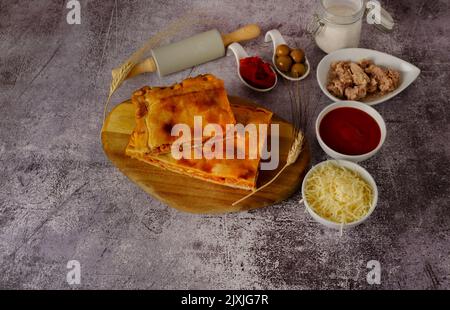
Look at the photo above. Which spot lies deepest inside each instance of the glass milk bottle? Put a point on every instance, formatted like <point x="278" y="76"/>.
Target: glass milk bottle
<point x="337" y="23"/>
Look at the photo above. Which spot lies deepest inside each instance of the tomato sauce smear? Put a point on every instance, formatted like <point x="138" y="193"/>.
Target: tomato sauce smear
<point x="257" y="73"/>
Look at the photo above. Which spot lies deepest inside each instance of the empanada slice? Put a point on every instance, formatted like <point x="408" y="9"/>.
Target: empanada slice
<point x="158" y="109"/>
<point x="238" y="173"/>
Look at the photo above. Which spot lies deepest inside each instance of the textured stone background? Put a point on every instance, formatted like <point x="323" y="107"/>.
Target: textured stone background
<point x="61" y="199"/>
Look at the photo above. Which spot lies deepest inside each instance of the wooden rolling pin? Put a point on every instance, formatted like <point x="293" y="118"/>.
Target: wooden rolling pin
<point x="193" y="51"/>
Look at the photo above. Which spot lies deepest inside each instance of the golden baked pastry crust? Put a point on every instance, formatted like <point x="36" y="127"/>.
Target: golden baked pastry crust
<point x="239" y="173"/>
<point x="158" y="109"/>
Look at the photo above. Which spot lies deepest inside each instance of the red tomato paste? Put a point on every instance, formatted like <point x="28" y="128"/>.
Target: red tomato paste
<point x="350" y="131"/>
<point x="257" y="73"/>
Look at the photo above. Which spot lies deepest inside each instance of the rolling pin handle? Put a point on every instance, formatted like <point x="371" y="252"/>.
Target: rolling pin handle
<point x="146" y="66"/>
<point x="248" y="32"/>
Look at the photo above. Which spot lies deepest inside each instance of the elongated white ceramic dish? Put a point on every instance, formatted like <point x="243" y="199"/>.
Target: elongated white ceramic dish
<point x="240" y="53"/>
<point x="277" y="39"/>
<point x="408" y="72"/>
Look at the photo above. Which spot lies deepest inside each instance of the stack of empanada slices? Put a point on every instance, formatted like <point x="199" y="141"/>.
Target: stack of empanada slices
<point x="158" y="109"/>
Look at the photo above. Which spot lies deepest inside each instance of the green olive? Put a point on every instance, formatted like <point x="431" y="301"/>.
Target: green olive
<point x="282" y="50"/>
<point x="298" y="70"/>
<point x="298" y="55"/>
<point x="284" y="63"/>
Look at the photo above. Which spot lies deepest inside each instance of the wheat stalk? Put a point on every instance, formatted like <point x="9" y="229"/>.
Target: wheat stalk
<point x="118" y="76"/>
<point x="294" y="152"/>
<point x="300" y="125"/>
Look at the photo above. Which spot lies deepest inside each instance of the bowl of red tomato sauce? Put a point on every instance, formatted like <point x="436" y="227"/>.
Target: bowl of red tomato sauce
<point x="350" y="130"/>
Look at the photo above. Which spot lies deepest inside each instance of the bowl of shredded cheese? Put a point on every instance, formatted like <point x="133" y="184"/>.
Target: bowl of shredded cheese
<point x="339" y="194"/>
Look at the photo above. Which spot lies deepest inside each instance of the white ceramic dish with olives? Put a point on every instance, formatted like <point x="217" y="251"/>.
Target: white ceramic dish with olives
<point x="291" y="63"/>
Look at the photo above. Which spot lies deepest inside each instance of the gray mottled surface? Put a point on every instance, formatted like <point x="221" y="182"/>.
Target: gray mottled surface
<point x="60" y="198"/>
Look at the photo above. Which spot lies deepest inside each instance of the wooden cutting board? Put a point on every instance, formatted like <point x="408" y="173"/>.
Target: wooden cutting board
<point x="190" y="194"/>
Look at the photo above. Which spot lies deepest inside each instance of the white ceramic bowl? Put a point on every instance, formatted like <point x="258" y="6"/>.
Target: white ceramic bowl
<point x="363" y="173"/>
<point x="408" y="72"/>
<point x="360" y="106"/>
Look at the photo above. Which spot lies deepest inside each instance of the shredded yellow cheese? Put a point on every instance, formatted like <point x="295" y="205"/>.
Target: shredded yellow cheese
<point x="338" y="194"/>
